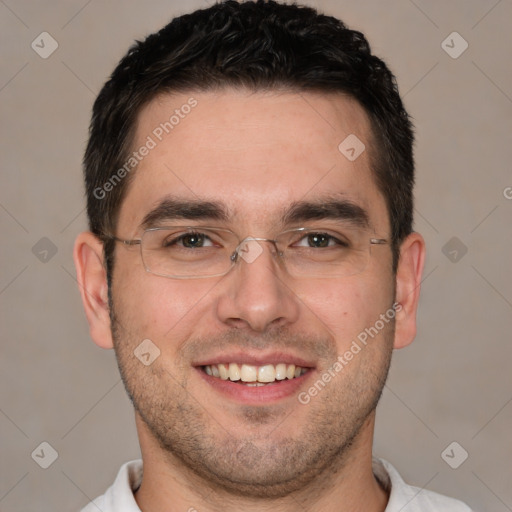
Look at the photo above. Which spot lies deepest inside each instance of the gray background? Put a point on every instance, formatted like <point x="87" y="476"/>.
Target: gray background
<point x="452" y="384"/>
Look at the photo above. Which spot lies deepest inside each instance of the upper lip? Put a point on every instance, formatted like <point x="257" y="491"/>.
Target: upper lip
<point x="255" y="359"/>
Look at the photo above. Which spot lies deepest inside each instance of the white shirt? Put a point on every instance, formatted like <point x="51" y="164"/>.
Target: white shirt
<point x="402" y="497"/>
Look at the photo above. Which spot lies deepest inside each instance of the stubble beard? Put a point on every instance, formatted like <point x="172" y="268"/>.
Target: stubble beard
<point x="271" y="465"/>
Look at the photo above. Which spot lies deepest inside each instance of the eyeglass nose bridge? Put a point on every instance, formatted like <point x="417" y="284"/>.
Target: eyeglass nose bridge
<point x="249" y="252"/>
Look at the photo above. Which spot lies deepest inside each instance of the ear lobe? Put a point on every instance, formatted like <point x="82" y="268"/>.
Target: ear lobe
<point x="92" y="282"/>
<point x="408" y="280"/>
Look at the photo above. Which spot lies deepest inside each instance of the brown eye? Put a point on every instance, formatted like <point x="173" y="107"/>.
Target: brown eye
<point x="193" y="240"/>
<point x="318" y="240"/>
<point x="188" y="241"/>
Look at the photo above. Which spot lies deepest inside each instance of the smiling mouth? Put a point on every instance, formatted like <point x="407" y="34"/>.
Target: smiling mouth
<point x="251" y="375"/>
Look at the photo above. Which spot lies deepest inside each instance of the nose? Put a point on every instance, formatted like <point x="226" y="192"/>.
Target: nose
<point x="256" y="294"/>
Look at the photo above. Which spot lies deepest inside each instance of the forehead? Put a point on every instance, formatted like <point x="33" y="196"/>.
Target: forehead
<point x="254" y="152"/>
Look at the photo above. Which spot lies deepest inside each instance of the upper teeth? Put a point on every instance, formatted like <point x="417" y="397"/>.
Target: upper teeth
<point x="250" y="373"/>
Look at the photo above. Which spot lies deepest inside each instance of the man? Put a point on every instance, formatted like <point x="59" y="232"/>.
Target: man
<point x="252" y="262"/>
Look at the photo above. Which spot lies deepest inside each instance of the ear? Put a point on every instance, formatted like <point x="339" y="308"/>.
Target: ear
<point x="92" y="281"/>
<point x="408" y="280"/>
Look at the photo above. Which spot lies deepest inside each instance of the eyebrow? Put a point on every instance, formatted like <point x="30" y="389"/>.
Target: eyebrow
<point x="171" y="208"/>
<point x="329" y="208"/>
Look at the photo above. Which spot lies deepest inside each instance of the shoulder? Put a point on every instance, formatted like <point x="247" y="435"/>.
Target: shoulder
<point x="119" y="496"/>
<point x="408" y="498"/>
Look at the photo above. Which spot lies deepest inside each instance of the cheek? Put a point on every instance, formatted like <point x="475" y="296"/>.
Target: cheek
<point x="155" y="307"/>
<point x="348" y="307"/>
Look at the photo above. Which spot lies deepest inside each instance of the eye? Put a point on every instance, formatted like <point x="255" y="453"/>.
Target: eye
<point x="321" y="240"/>
<point x="189" y="241"/>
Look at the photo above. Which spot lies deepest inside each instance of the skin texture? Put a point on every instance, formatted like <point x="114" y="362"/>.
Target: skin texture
<point x="257" y="153"/>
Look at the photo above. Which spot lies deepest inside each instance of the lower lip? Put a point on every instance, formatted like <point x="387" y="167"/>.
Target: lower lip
<point x="255" y="395"/>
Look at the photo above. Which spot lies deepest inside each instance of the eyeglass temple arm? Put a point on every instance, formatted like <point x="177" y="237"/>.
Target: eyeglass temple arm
<point x="136" y="241"/>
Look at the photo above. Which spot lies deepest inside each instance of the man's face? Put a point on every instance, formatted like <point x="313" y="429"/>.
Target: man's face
<point x="256" y="155"/>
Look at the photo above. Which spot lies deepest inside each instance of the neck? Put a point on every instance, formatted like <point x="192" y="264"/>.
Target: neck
<point x="349" y="486"/>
